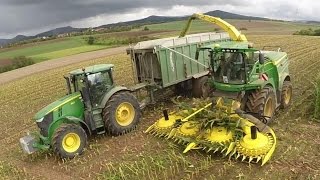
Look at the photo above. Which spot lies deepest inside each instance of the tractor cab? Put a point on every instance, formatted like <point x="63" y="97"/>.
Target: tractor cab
<point x="93" y="82"/>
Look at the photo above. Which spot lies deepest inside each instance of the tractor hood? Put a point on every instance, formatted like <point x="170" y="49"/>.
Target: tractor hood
<point x="55" y="105"/>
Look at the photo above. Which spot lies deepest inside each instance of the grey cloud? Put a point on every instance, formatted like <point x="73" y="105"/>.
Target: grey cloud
<point x="27" y="15"/>
<point x="24" y="15"/>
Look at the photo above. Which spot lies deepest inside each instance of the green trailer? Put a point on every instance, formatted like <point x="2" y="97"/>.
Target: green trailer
<point x="169" y="62"/>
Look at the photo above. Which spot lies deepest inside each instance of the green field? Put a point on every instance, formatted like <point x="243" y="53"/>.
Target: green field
<point x="51" y="49"/>
<point x="57" y="48"/>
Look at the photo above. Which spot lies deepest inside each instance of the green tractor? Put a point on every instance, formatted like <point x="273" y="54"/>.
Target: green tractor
<point x="260" y="80"/>
<point x="93" y="105"/>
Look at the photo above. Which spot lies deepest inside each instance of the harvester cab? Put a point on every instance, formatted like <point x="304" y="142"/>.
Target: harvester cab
<point x="93" y="105"/>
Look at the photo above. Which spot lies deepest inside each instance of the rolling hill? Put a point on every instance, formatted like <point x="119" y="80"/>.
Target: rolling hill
<point x="148" y="20"/>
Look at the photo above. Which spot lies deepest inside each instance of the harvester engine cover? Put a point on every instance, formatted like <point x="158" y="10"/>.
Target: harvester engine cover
<point x="218" y="127"/>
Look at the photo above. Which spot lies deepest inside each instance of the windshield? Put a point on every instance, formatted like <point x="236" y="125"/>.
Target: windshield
<point x="99" y="84"/>
<point x="232" y="67"/>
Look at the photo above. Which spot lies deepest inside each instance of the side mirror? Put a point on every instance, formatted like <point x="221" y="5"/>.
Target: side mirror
<point x="197" y="54"/>
<point x="261" y="58"/>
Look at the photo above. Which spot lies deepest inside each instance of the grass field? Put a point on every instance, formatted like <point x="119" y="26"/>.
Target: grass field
<point x="42" y="48"/>
<point x="58" y="48"/>
<point x="140" y="156"/>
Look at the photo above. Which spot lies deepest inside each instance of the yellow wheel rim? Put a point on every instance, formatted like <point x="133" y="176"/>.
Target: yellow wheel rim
<point x="71" y="142"/>
<point x="125" y="114"/>
<point x="268" y="107"/>
<point x="287" y="96"/>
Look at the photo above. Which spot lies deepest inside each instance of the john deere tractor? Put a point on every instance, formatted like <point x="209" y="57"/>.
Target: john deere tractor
<point x="93" y="105"/>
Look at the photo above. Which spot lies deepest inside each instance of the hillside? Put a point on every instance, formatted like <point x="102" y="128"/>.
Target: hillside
<point x="148" y="20"/>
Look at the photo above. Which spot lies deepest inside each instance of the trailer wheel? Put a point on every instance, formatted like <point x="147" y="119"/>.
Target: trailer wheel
<point x="286" y="94"/>
<point x="263" y="103"/>
<point x="69" y="140"/>
<point x="121" y="113"/>
<point x="200" y="87"/>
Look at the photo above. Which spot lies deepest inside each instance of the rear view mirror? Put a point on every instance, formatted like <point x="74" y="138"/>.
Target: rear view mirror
<point x="197" y="55"/>
<point x="261" y="58"/>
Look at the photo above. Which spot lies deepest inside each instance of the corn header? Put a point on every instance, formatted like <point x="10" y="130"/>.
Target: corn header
<point x="218" y="127"/>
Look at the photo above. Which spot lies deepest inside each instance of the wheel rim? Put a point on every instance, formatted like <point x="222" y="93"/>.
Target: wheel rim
<point x="71" y="142"/>
<point x="268" y="107"/>
<point x="287" y="96"/>
<point x="125" y="114"/>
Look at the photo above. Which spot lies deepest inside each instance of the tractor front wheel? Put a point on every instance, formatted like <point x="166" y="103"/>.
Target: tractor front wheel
<point x="286" y="94"/>
<point x="262" y="103"/>
<point x="121" y="113"/>
<point x="69" y="140"/>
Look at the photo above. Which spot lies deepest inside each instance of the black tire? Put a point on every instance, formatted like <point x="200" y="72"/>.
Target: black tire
<point x="59" y="143"/>
<point x="112" y="125"/>
<point x="200" y="87"/>
<point x="286" y="91"/>
<point x="183" y="88"/>
<point x="259" y="100"/>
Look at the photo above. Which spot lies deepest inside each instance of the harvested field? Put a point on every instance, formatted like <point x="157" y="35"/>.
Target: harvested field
<point x="140" y="156"/>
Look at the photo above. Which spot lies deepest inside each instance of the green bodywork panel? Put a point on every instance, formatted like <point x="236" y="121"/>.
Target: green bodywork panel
<point x="93" y="69"/>
<point x="62" y="109"/>
<point x="65" y="102"/>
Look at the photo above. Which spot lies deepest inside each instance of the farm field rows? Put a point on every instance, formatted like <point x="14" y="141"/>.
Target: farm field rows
<point x="140" y="156"/>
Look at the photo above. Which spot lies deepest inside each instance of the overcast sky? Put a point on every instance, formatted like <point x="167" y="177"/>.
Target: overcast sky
<point x="29" y="17"/>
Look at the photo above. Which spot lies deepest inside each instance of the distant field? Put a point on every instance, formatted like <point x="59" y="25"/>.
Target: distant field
<point x="74" y="45"/>
<point x="42" y="48"/>
<point x="57" y="48"/>
<point x="66" y="52"/>
<point x="254" y="27"/>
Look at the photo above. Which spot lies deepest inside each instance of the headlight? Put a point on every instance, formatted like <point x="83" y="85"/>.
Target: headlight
<point x="39" y="120"/>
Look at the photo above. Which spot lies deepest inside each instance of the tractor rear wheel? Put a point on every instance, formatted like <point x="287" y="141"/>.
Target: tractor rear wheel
<point x="286" y="94"/>
<point x="262" y="103"/>
<point x="121" y="113"/>
<point x="69" y="140"/>
<point x="200" y="87"/>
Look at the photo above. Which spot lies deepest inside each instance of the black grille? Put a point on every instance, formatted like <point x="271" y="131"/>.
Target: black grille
<point x="44" y="124"/>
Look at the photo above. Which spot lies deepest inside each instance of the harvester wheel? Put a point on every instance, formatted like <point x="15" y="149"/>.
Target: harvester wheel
<point x="200" y="87"/>
<point x="121" y="113"/>
<point x="69" y="140"/>
<point x="263" y="103"/>
<point x="286" y="94"/>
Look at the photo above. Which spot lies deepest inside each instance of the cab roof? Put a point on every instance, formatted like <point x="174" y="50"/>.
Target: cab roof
<point x="92" y="69"/>
<point x="230" y="45"/>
